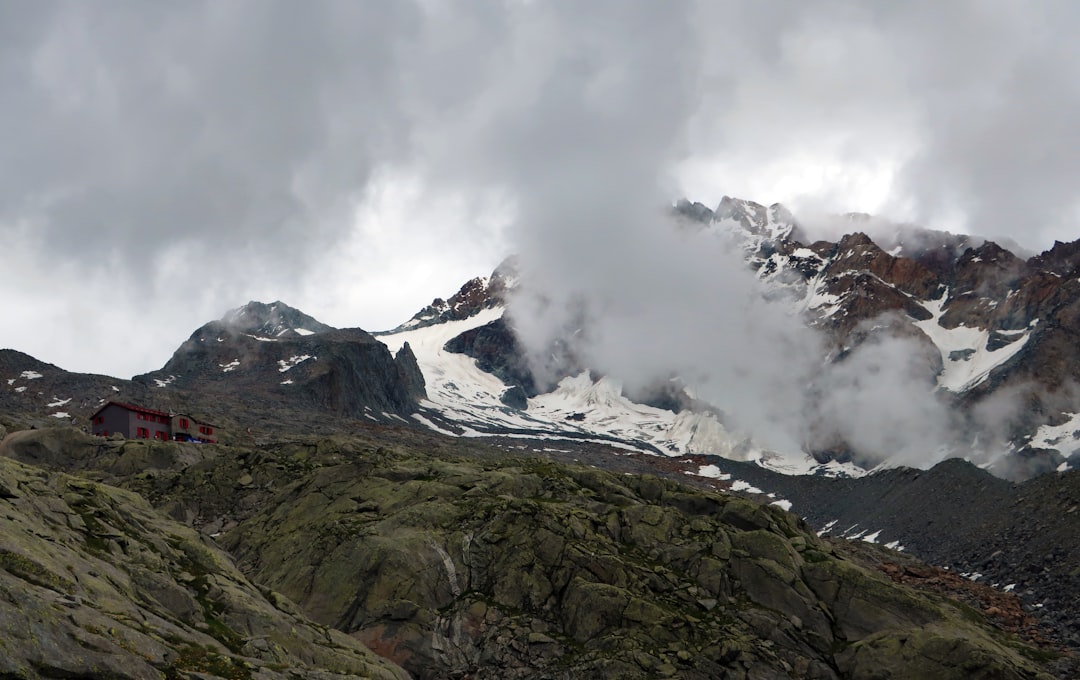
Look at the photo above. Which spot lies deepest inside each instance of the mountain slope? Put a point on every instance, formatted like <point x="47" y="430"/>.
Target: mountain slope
<point x="453" y="559"/>
<point x="42" y="394"/>
<point x="1020" y="536"/>
<point x="479" y="384"/>
<point x="94" y="583"/>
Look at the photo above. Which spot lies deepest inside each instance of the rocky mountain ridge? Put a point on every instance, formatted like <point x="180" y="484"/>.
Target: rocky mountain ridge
<point x="994" y="333"/>
<point x="476" y="295"/>
<point x="983" y="324"/>
<point x="1001" y="326"/>
<point x="267" y="366"/>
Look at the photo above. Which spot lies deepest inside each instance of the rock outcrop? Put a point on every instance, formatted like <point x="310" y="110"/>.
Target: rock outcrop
<point x="959" y="516"/>
<point x="452" y="559"/>
<point x="497" y="350"/>
<point x="409" y="372"/>
<point x="503" y="567"/>
<point x="96" y="584"/>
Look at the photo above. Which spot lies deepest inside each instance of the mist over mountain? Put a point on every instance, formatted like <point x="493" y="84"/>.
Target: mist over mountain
<point x="755" y="341"/>
<point x="741" y="358"/>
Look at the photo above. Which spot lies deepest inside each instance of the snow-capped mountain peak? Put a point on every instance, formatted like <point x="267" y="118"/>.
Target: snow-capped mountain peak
<point x="478" y="294"/>
<point x="273" y="320"/>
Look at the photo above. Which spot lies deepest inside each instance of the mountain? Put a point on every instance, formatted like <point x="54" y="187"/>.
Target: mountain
<point x="421" y="492"/>
<point x="993" y="327"/>
<point x="991" y="335"/>
<point x="267" y="367"/>
<point x="266" y="360"/>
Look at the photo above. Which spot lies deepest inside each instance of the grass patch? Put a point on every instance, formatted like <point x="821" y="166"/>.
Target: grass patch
<point x="205" y="660"/>
<point x="28" y="570"/>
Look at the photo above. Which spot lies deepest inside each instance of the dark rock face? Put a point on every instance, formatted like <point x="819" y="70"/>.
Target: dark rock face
<point x="352" y="372"/>
<point x="409" y="372"/>
<point x="515" y="397"/>
<point x="497" y="351"/>
<point x="39" y="394"/>
<point x="1062" y="259"/>
<point x="858" y="253"/>
<point x="346" y="373"/>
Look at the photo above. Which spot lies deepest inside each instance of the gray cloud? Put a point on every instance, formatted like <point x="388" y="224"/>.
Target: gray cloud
<point x="209" y="131"/>
<point x="201" y="154"/>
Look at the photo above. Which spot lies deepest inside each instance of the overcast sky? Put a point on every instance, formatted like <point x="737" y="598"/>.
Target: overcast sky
<point x="161" y="162"/>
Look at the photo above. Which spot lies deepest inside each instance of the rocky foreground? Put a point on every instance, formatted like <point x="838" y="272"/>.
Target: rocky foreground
<point x="445" y="558"/>
<point x="94" y="583"/>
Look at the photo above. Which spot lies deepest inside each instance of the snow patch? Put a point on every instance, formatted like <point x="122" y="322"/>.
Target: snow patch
<point x="293" y="361"/>
<point x="57" y="402"/>
<point x="231" y="366"/>
<point x="740" y="485"/>
<point x="712" y="472"/>
<point x="303" y="331"/>
<point x="21" y="389"/>
<point x="1064" y="437"/>
<point x="782" y="504"/>
<point x="427" y="423"/>
<point x="30" y="375"/>
<point x="160" y="383"/>
<point x="974" y="362"/>
<point x="60" y="414"/>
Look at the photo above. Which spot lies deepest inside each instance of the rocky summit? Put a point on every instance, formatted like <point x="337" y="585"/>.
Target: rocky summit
<point x="271" y="362"/>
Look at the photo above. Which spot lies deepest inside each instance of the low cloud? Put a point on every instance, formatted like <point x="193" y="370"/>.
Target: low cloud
<point x="877" y="402"/>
